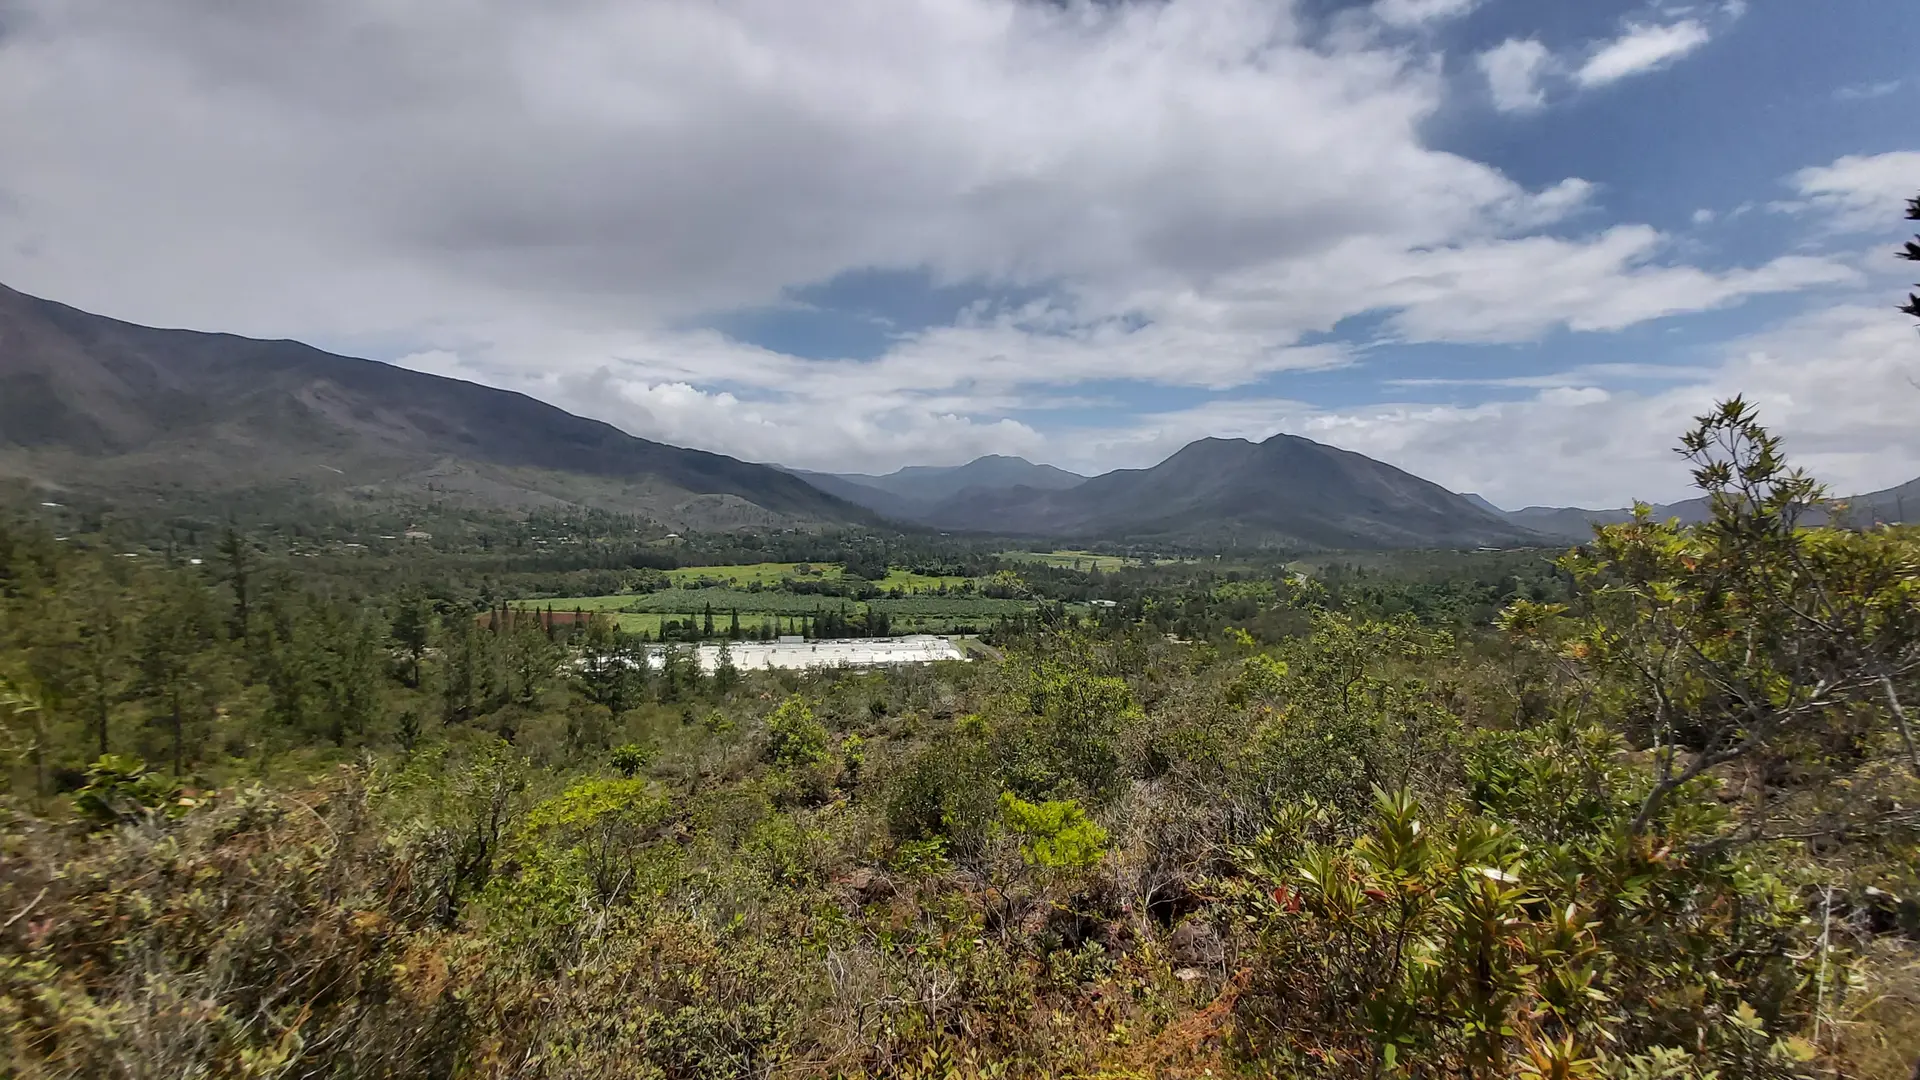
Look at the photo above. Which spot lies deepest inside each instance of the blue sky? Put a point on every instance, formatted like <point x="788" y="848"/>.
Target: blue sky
<point x="1508" y="245"/>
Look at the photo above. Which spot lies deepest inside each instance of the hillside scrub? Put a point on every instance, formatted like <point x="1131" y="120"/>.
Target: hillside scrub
<point x="1659" y="826"/>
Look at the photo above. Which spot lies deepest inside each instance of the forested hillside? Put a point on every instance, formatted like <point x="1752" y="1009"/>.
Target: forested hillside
<point x="1644" y="811"/>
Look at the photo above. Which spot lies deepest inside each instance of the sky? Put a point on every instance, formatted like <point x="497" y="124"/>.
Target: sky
<point x="1507" y="245"/>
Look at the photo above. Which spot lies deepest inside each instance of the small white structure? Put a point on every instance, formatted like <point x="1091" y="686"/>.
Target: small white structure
<point x="834" y="652"/>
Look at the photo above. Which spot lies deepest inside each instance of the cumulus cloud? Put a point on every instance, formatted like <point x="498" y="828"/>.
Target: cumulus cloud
<point x="1405" y="13"/>
<point x="1861" y="193"/>
<point x="1601" y="437"/>
<point x="1513" y="70"/>
<point x="1641" y="48"/>
<point x="558" y="198"/>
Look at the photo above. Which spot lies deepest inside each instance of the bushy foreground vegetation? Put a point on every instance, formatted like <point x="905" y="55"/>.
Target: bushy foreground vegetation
<point x="1658" y="822"/>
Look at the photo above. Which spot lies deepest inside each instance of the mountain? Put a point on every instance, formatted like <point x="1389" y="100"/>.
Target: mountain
<point x="1287" y="490"/>
<point x="1889" y="507"/>
<point x="1567" y="522"/>
<point x="93" y="403"/>
<point x="993" y="472"/>
<point x="1893" y="506"/>
<point x="1483" y="504"/>
<point x="907" y="494"/>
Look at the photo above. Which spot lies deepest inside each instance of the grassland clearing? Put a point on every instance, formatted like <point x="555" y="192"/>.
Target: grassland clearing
<point x="763" y="574"/>
<point x="910" y="582"/>
<point x="1073" y="560"/>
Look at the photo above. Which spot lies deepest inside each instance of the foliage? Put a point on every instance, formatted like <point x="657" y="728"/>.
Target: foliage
<point x="794" y="738"/>
<point x="1750" y="636"/>
<point x="628" y="759"/>
<point x="595" y="829"/>
<point x="1467" y="950"/>
<point x="1054" y="835"/>
<point x="121" y="789"/>
<point x="1318" y="819"/>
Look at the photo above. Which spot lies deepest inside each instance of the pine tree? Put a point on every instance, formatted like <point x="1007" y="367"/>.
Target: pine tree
<point x="608" y="673"/>
<point x="177" y="657"/>
<point x="413" y="631"/>
<point x="238" y="555"/>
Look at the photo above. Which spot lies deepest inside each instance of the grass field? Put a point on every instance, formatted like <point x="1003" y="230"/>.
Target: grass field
<point x="908" y="581"/>
<point x="1083" y="560"/>
<point x="768" y="574"/>
<point x="917" y="614"/>
<point x="765" y="573"/>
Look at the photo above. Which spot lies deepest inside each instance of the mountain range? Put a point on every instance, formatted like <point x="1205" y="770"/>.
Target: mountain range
<point x="142" y="415"/>
<point x="1285" y="490"/>
<point x="915" y="492"/>
<point x="1891" y="506"/>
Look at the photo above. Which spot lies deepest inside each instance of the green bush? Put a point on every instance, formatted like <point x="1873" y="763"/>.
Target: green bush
<point x="794" y="738"/>
<point x="1054" y="835"/>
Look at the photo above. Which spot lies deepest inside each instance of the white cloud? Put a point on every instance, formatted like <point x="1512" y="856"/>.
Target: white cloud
<point x="549" y="197"/>
<point x="1860" y="193"/>
<point x="1868" y="91"/>
<point x="1406" y="13"/>
<point x="1838" y="385"/>
<point x="1640" y="49"/>
<point x="1513" y="70"/>
<point x="1704" y="216"/>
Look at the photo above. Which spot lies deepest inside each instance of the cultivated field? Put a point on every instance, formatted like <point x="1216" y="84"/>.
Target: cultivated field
<point x="1072" y="560"/>
<point x="763" y="574"/>
<point x="922" y="613"/>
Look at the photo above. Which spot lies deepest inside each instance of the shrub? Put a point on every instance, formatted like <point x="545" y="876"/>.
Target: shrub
<point x="794" y="738"/>
<point x="1054" y="835"/>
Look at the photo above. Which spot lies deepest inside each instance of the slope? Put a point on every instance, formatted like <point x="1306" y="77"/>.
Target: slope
<point x="906" y="494"/>
<point x="1286" y="490"/>
<point x="1891" y="506"/>
<point x="92" y="402"/>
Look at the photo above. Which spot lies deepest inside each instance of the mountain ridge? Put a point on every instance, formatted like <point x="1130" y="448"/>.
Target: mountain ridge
<point x="1889" y="506"/>
<point x="91" y="401"/>
<point x="908" y="492"/>
<point x="1285" y="489"/>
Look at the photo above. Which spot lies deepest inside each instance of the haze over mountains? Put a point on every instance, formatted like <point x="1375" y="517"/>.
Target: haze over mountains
<point x="916" y="492"/>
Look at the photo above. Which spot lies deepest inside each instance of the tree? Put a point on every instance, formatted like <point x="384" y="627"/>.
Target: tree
<point x="238" y="555"/>
<point x="609" y="673"/>
<point x="177" y="655"/>
<point x="467" y="671"/>
<point x="413" y="631"/>
<point x="95" y="675"/>
<point x="532" y="659"/>
<point x="350" y="673"/>
<point x="1750" y="634"/>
